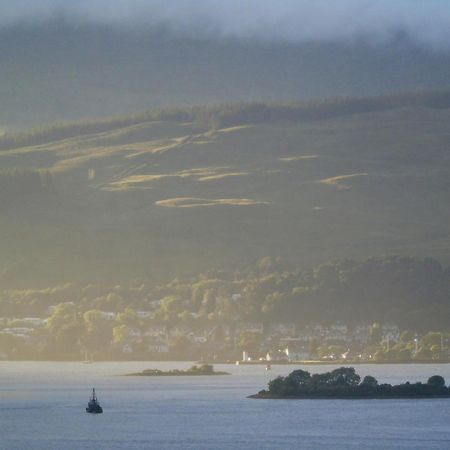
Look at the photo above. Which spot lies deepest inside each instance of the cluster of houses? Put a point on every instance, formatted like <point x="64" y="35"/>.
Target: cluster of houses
<point x="275" y="341"/>
<point x="21" y="328"/>
<point x="289" y="342"/>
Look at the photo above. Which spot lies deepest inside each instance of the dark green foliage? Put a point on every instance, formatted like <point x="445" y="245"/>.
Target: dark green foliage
<point x="436" y="380"/>
<point x="344" y="376"/>
<point x="276" y="386"/>
<point x="227" y="115"/>
<point x="42" y="135"/>
<point x="391" y="289"/>
<point x="204" y="369"/>
<point x="344" y="383"/>
<point x="299" y="376"/>
<point x="370" y="381"/>
<point x="380" y="288"/>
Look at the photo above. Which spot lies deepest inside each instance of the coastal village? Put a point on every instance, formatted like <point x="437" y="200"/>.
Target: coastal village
<point x="267" y="313"/>
<point x="139" y="335"/>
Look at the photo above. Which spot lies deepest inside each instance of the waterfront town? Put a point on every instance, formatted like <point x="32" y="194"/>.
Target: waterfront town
<point x="103" y="335"/>
<point x="378" y="310"/>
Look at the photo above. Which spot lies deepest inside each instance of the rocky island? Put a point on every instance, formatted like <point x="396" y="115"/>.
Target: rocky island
<point x="345" y="383"/>
<point x="205" y="369"/>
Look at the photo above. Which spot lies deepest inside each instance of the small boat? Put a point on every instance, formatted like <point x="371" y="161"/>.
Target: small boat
<point x="93" y="405"/>
<point x="268" y="367"/>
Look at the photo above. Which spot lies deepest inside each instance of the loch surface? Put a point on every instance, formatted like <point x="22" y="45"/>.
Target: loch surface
<point x="42" y="406"/>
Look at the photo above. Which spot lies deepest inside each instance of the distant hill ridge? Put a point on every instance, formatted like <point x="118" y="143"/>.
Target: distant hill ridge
<point x="226" y="115"/>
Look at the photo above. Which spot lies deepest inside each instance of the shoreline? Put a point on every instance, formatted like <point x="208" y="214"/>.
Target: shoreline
<point x="229" y="362"/>
<point x="181" y="374"/>
<point x="324" y="397"/>
<point x="330" y="363"/>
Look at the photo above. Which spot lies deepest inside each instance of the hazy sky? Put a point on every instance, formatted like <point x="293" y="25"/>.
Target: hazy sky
<point x="425" y="21"/>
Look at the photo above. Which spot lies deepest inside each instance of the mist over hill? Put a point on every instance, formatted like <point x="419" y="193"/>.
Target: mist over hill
<point x="60" y="69"/>
<point x="175" y="192"/>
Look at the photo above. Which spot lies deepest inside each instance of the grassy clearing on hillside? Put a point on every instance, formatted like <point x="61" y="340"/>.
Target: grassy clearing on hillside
<point x="297" y="158"/>
<point x="222" y="176"/>
<point x="198" y="174"/>
<point x="186" y="202"/>
<point x="337" y="181"/>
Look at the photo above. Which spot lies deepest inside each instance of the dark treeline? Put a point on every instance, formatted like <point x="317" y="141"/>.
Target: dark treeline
<point x="412" y="292"/>
<point x="346" y="383"/>
<point x="230" y="115"/>
<point x="20" y="182"/>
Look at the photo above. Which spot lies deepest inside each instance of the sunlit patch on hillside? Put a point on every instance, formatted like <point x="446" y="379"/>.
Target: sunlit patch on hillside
<point x="203" y="171"/>
<point x="297" y="158"/>
<point x="233" y="129"/>
<point x="159" y="148"/>
<point x="119" y="187"/>
<point x="338" y="181"/>
<point x="193" y="202"/>
<point x="163" y="146"/>
<point x="222" y="176"/>
<point x="198" y="174"/>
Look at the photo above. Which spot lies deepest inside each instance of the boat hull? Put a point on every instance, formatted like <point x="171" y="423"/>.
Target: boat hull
<point x="97" y="410"/>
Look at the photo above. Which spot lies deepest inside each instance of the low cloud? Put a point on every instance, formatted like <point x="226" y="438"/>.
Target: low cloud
<point x="425" y="22"/>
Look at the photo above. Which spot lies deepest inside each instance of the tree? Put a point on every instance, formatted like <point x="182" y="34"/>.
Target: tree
<point x="98" y="331"/>
<point x="171" y="305"/>
<point x="120" y="333"/>
<point x="65" y="329"/>
<point x="345" y="375"/>
<point x="370" y="381"/>
<point x="299" y="377"/>
<point x="250" y="341"/>
<point x="431" y="339"/>
<point x="276" y="385"/>
<point x="436" y="381"/>
<point x="375" y="333"/>
<point x="128" y="317"/>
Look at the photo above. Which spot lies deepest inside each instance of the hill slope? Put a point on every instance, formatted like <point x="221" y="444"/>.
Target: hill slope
<point x="166" y="193"/>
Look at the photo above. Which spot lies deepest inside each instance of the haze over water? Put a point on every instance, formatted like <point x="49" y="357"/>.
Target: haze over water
<point x="42" y="407"/>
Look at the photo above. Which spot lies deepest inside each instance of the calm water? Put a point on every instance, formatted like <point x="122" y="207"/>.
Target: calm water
<point x="42" y="407"/>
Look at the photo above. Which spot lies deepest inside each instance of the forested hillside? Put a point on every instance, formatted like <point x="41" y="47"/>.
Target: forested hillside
<point x="176" y="192"/>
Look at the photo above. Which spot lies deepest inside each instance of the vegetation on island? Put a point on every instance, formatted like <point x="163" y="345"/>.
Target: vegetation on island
<point x="204" y="369"/>
<point x="346" y="383"/>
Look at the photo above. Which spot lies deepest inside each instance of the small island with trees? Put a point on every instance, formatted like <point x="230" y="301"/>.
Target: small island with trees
<point x="345" y="383"/>
<point x="205" y="369"/>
